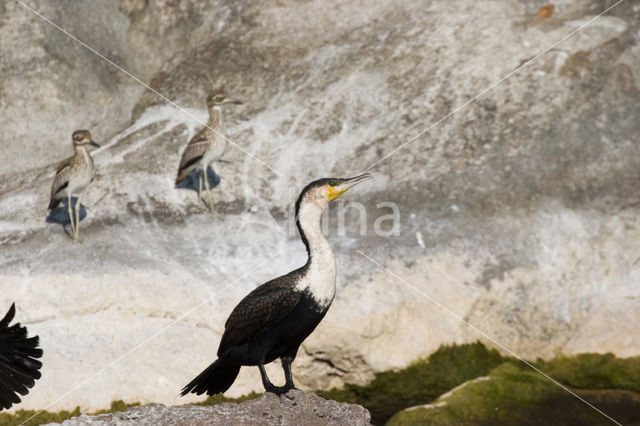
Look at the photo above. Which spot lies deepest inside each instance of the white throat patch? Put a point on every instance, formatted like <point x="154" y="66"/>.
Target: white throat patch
<point x="320" y="278"/>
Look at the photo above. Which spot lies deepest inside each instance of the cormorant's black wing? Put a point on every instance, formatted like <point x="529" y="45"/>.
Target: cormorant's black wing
<point x="18" y="367"/>
<point x="262" y="309"/>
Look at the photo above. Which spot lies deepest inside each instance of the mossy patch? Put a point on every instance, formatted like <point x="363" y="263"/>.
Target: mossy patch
<point x="514" y="394"/>
<point x="21" y="416"/>
<point x="44" y="417"/>
<point x="421" y="382"/>
<point x="595" y="371"/>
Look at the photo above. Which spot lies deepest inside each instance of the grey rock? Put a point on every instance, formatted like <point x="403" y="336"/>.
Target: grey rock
<point x="297" y="407"/>
<point x="51" y="85"/>
<point x="519" y="212"/>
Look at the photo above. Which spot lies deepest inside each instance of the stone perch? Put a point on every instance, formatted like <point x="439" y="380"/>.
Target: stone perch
<point x="296" y="407"/>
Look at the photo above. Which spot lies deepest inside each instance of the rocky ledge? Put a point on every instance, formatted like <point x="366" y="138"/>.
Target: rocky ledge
<point x="296" y="407"/>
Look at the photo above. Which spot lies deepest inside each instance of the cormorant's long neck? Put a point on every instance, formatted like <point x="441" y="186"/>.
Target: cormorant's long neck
<point x="308" y="222"/>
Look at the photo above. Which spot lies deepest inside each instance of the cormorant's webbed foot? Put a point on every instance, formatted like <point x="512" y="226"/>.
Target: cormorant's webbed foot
<point x="270" y="387"/>
<point x="278" y="390"/>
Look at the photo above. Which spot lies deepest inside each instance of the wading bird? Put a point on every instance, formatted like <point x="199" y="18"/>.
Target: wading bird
<point x="274" y="319"/>
<point x="206" y="147"/>
<point x="72" y="177"/>
<point x="19" y="368"/>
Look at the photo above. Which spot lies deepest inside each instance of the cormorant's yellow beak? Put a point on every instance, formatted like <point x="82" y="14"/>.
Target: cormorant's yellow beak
<point x="337" y="187"/>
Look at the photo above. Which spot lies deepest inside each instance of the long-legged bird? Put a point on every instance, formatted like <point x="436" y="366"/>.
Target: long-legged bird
<point x="19" y="368"/>
<point x="72" y="177"/>
<point x="207" y="146"/>
<point x="274" y="319"/>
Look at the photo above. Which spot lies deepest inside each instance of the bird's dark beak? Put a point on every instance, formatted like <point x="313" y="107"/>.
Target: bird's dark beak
<point x="230" y="100"/>
<point x="94" y="144"/>
<point x="346" y="184"/>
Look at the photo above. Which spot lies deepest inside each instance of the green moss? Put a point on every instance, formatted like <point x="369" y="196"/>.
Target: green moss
<point x="21" y="416"/>
<point x="116" y="406"/>
<point x="514" y="394"/>
<point x="595" y="371"/>
<point x="421" y="382"/>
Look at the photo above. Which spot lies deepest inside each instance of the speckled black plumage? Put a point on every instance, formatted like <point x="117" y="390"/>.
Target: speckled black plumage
<point x="260" y="310"/>
<point x="19" y="368"/>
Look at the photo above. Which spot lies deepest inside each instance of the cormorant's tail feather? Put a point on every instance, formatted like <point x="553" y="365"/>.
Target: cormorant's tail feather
<point x="216" y="378"/>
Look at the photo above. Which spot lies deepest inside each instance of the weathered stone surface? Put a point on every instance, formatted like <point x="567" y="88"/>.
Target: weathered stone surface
<point x="50" y="85"/>
<point x="519" y="213"/>
<point x="297" y="407"/>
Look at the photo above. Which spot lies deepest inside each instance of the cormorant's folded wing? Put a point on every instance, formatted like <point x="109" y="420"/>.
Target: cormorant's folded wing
<point x="18" y="367"/>
<point x="262" y="309"/>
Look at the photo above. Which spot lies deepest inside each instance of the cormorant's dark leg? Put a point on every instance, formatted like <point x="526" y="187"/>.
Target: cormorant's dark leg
<point x="268" y="386"/>
<point x="286" y="366"/>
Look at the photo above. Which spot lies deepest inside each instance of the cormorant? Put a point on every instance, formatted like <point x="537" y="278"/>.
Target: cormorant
<point x="207" y="146"/>
<point x="72" y="177"/>
<point x="274" y="319"/>
<point x="18" y="367"/>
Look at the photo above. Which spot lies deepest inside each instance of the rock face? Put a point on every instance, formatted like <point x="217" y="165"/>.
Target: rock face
<point x="297" y="407"/>
<point x="519" y="212"/>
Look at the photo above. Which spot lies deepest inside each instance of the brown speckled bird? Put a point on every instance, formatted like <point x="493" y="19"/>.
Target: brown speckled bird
<point x="207" y="146"/>
<point x="73" y="176"/>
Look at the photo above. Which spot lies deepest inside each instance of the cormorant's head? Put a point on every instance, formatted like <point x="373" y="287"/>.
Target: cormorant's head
<point x="83" y="137"/>
<point x="322" y="191"/>
<point x="218" y="98"/>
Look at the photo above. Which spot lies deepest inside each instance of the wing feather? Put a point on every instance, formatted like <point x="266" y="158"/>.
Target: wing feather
<point x="60" y="181"/>
<point x="19" y="368"/>
<point x="195" y="150"/>
<point x="262" y="309"/>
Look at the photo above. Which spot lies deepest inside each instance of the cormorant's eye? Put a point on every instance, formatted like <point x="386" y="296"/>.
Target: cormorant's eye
<point x="332" y="183"/>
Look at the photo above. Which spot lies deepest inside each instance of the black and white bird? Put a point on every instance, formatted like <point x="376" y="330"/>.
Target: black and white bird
<point x="274" y="319"/>
<point x="207" y="146"/>
<point x="19" y="368"/>
<point x="72" y="177"/>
